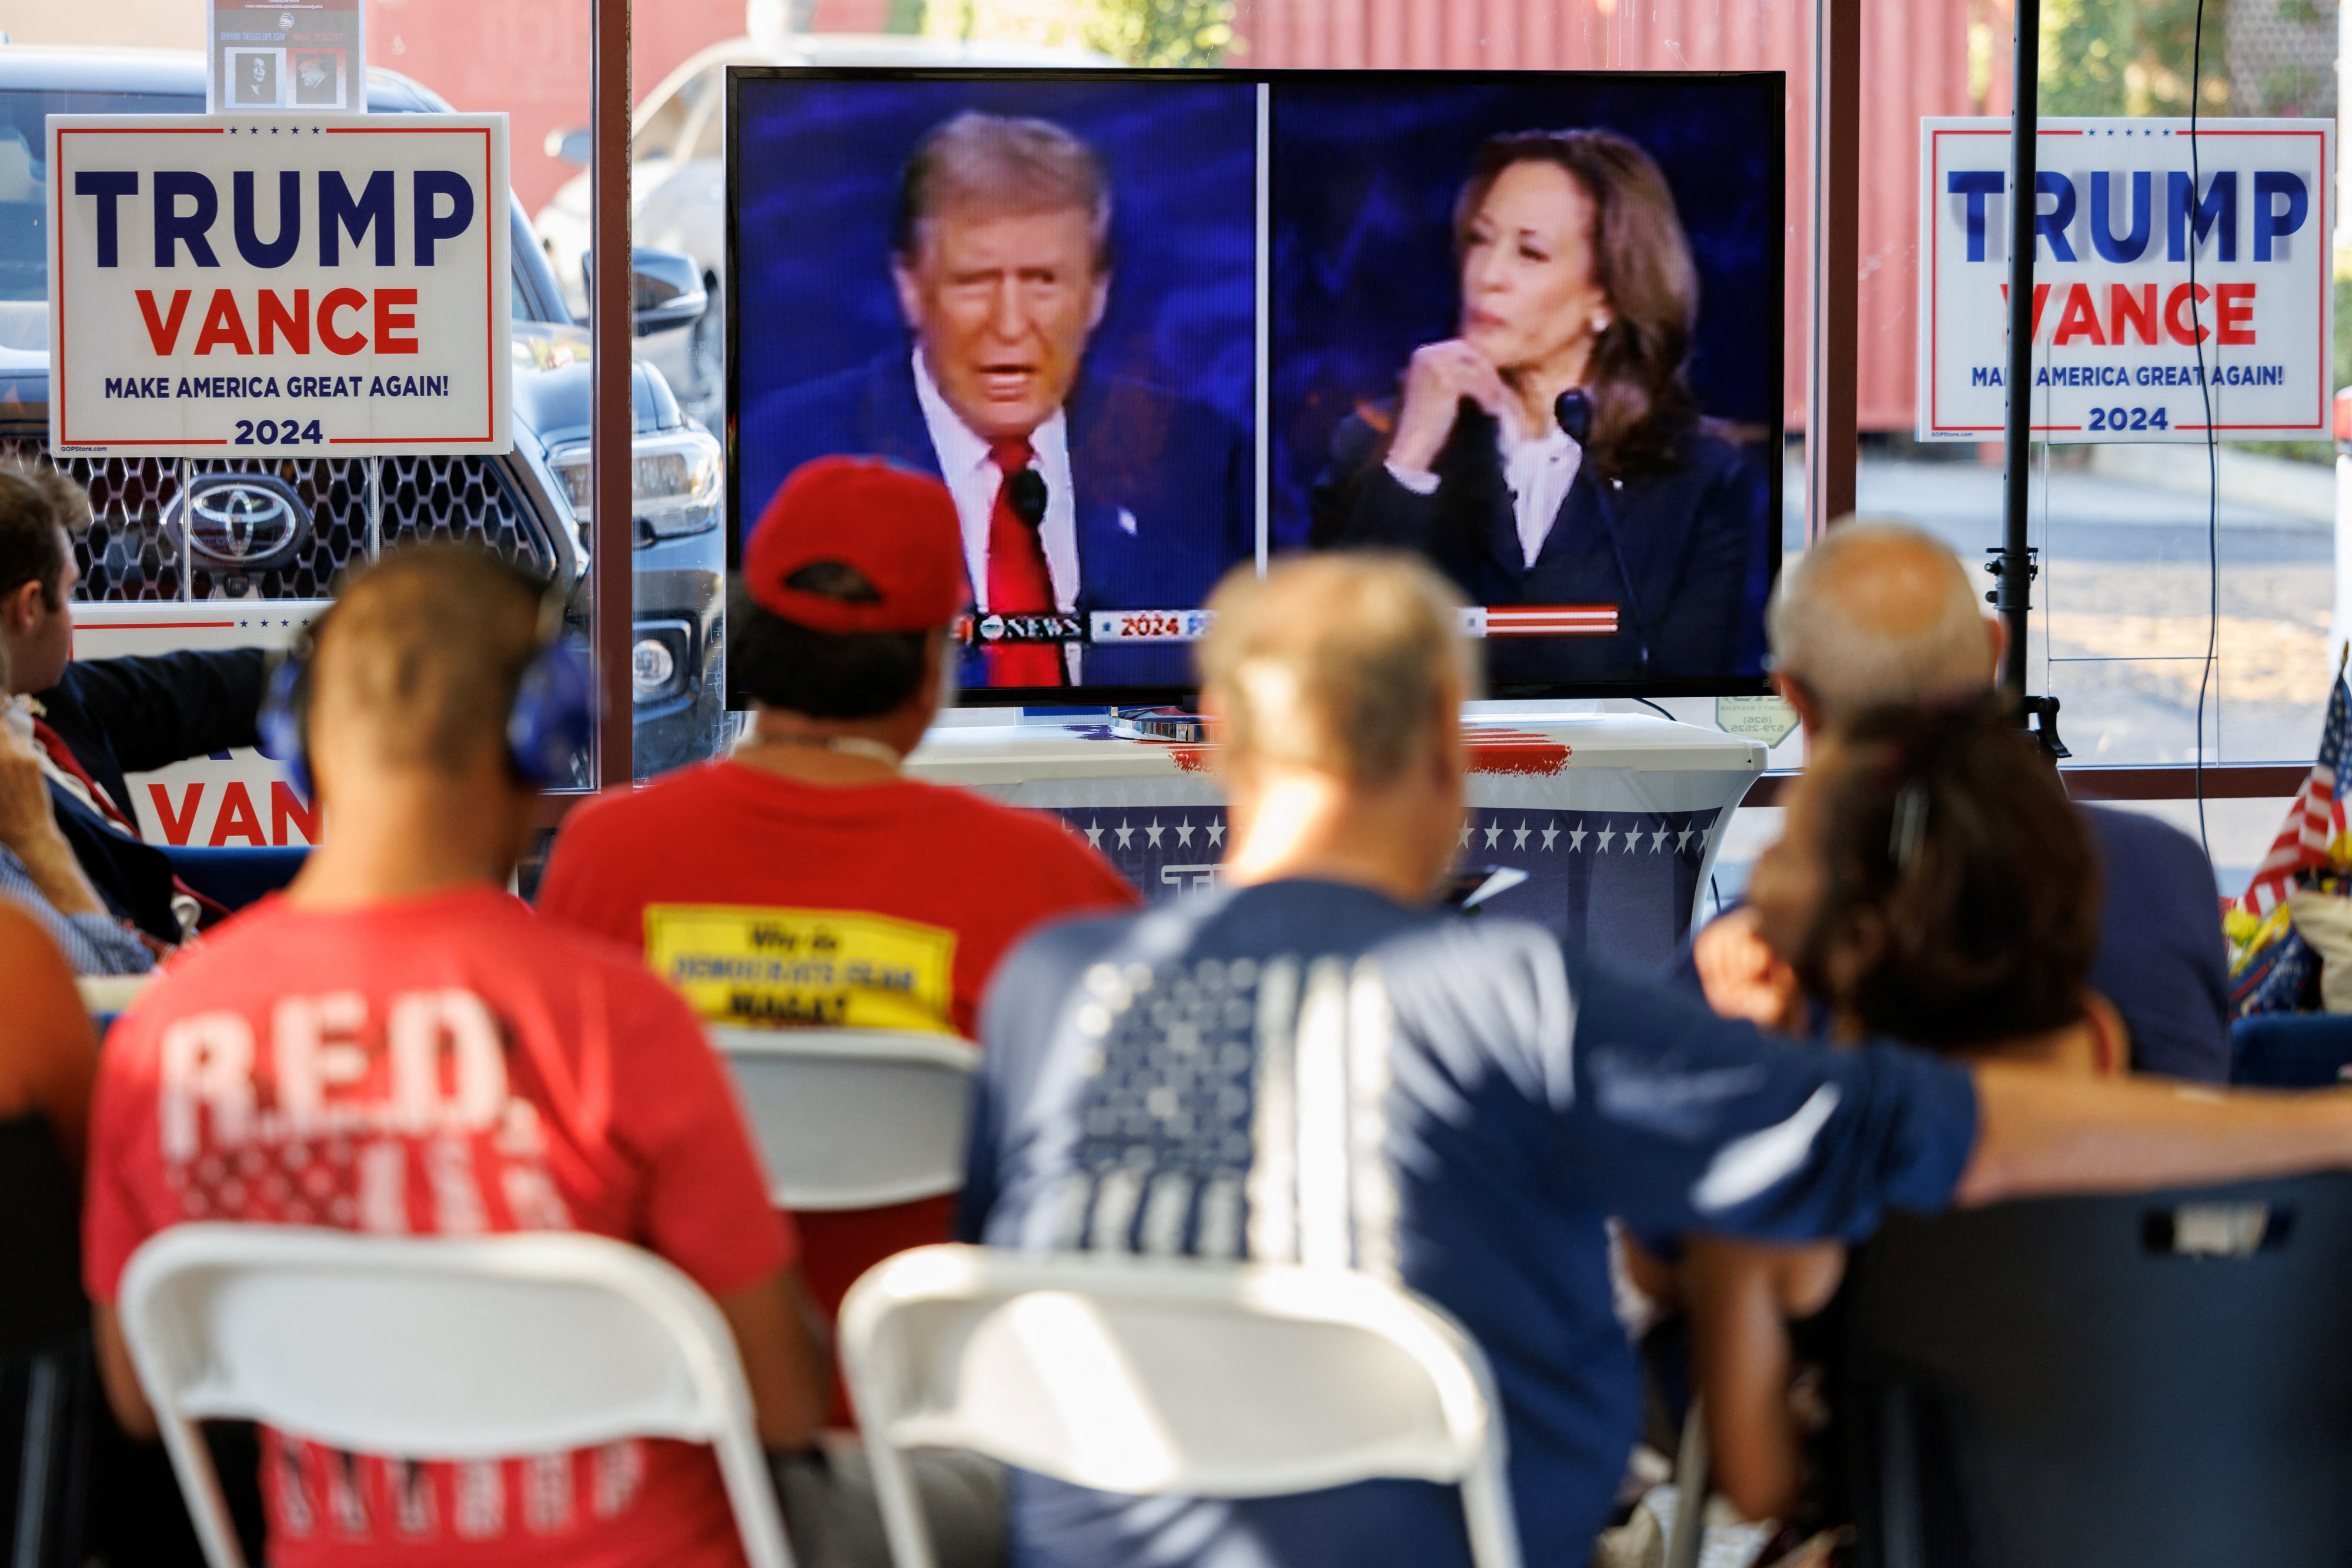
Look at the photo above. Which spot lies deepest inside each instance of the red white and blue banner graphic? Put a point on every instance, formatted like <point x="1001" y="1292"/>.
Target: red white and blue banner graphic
<point x="1620" y="882"/>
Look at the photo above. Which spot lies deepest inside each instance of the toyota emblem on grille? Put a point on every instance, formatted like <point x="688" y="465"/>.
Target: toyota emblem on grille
<point x="244" y="522"/>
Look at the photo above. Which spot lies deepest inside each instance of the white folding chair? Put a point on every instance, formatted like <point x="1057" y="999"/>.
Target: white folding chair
<point x="477" y="1349"/>
<point x="1154" y="1376"/>
<point x="853" y="1118"/>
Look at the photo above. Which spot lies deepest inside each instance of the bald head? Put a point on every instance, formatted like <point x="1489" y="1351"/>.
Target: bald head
<point x="1343" y="663"/>
<point x="1877" y="613"/>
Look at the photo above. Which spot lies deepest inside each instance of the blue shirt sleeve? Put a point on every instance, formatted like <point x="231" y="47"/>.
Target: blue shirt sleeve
<point x="1684" y="1121"/>
<point x="92" y="944"/>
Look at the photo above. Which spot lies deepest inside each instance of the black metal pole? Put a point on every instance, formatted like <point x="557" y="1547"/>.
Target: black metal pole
<point x="2013" y="568"/>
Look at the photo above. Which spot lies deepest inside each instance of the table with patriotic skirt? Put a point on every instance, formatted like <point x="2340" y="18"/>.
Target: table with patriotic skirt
<point x="1614" y="818"/>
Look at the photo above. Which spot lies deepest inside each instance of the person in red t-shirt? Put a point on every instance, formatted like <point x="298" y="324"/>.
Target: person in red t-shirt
<point x="396" y="1046"/>
<point x="809" y="840"/>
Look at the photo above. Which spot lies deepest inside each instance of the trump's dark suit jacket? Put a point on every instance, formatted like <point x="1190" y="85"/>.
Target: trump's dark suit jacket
<point x="1164" y="489"/>
<point x="1685" y="554"/>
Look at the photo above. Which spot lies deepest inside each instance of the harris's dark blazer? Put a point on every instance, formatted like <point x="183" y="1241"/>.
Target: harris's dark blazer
<point x="1164" y="489"/>
<point x="1685" y="554"/>
<point x="134" y="716"/>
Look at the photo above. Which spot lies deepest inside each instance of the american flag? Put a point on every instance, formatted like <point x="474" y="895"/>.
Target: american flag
<point x="2315" y="820"/>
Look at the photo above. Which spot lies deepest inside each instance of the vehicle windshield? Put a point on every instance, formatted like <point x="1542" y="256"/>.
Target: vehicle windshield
<point x="25" y="183"/>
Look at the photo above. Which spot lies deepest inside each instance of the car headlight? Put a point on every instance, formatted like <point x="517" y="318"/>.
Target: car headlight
<point x="661" y="660"/>
<point x="673" y="484"/>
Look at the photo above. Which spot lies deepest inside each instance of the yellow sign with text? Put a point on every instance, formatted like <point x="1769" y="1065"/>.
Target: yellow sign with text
<point x="802" y="969"/>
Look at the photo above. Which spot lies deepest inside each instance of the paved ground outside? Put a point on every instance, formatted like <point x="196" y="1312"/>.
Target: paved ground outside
<point x="2120" y="630"/>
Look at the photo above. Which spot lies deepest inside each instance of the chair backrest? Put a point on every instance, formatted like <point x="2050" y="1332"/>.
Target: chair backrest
<point x="853" y="1118"/>
<point x="448" y="1349"/>
<point x="2155" y="1380"/>
<point x="1156" y="1376"/>
<point x="2291" y="1051"/>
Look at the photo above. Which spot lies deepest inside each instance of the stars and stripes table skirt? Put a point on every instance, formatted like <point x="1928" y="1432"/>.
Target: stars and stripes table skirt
<point x="1615" y="820"/>
<point x="1623" y="882"/>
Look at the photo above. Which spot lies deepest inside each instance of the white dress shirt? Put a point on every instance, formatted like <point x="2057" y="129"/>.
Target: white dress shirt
<point x="1539" y="470"/>
<point x="973" y="480"/>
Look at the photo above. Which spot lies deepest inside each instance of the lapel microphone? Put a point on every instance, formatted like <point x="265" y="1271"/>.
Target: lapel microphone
<point x="1574" y="411"/>
<point x="1025" y="493"/>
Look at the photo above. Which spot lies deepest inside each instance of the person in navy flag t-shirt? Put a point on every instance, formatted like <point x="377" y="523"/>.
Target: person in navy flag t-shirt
<point x="1311" y="1067"/>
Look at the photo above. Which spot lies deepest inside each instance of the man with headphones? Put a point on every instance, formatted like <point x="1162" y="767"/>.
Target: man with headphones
<point x="395" y="1045"/>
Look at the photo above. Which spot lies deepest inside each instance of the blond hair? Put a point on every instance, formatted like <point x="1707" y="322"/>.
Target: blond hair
<point x="1338" y="663"/>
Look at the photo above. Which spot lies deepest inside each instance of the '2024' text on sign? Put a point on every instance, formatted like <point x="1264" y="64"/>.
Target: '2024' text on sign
<point x="2127" y="344"/>
<point x="318" y="286"/>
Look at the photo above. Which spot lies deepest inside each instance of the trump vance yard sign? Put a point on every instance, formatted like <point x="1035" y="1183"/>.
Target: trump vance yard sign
<point x="312" y="284"/>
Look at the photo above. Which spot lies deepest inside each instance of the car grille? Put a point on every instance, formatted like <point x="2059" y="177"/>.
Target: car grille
<point x="132" y="550"/>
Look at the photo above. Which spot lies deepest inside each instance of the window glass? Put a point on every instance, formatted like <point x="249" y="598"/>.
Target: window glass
<point x="24" y="177"/>
<point x="710" y="139"/>
<point x="2146" y="561"/>
<point x="660" y="135"/>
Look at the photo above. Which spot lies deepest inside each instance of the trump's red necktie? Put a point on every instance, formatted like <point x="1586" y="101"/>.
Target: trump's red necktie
<point x="1018" y="582"/>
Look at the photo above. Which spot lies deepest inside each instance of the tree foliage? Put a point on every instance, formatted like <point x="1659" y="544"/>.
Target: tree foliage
<point x="2129" y="57"/>
<point x="1163" y="33"/>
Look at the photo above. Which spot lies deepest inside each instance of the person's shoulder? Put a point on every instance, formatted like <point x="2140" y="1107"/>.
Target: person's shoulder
<point x="1704" y="449"/>
<point x="1127" y="402"/>
<point x="1486" y="956"/>
<point x="623" y="813"/>
<point x="2138" y="852"/>
<point x="1362" y="437"/>
<point x="1022" y="835"/>
<point x="843" y="389"/>
<point x="540" y="951"/>
<point x="954" y="802"/>
<point x="808" y="411"/>
<point x="236" y="960"/>
<point x="1060" y="950"/>
<point x="2116" y="828"/>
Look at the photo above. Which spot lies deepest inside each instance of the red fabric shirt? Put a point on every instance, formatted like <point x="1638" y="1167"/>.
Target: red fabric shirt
<point x="929" y="884"/>
<point x="272" y="1076"/>
<point x="767" y="900"/>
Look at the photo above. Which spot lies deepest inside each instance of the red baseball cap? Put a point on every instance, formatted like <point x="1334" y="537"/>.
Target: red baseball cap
<point x="894" y="527"/>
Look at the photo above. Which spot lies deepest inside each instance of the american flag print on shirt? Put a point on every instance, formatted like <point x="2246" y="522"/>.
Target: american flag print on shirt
<point x="2315" y="825"/>
<point x="1236" y="1109"/>
<point x="404" y="1125"/>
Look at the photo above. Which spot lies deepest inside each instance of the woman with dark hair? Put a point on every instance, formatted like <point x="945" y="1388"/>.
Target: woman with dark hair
<point x="1551" y="453"/>
<point x="1933" y="885"/>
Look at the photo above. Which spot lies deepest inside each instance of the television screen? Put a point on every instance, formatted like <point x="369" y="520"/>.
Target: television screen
<point x="1149" y="327"/>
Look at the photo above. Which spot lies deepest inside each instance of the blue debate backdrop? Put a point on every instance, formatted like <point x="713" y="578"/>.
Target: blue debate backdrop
<point x="1363" y="182"/>
<point x="816" y="178"/>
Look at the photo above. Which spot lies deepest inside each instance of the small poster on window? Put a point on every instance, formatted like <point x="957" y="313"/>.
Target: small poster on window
<point x="305" y="55"/>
